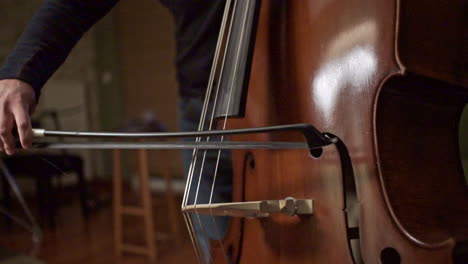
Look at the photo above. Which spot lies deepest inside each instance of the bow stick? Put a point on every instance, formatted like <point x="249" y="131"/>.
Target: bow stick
<point x="314" y="139"/>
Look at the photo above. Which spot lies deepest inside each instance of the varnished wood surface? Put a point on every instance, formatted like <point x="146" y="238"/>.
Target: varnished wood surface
<point x="441" y="52"/>
<point x="304" y="71"/>
<point x="76" y="241"/>
<point x="326" y="63"/>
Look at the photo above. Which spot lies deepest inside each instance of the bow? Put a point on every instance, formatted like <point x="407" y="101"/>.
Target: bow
<point x="313" y="140"/>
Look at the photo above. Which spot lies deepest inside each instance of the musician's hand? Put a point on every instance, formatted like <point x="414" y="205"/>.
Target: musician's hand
<point x="17" y="101"/>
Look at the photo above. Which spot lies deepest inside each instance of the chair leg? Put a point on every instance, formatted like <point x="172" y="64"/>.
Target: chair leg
<point x="51" y="202"/>
<point x="46" y="200"/>
<point x="117" y="181"/>
<point x="144" y="211"/>
<point x="83" y="191"/>
<point x="40" y="192"/>
<point x="170" y="197"/>
<point x="6" y="199"/>
<point x="145" y="197"/>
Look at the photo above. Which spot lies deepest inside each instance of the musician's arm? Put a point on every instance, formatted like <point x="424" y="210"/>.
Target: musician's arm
<point x="42" y="48"/>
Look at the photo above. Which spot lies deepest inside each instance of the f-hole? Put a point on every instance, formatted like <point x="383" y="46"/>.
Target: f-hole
<point x="390" y="256"/>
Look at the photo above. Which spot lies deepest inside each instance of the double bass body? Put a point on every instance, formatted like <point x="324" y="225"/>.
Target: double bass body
<point x="357" y="69"/>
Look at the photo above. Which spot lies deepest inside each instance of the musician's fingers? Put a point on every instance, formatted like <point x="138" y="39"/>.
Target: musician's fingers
<point x="23" y="123"/>
<point x="6" y="127"/>
<point x="2" y="126"/>
<point x="17" y="98"/>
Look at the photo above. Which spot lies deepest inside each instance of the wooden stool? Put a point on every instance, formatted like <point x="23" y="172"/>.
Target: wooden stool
<point x="144" y="211"/>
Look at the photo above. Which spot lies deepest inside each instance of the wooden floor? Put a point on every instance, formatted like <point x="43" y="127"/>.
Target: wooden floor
<point x="78" y="241"/>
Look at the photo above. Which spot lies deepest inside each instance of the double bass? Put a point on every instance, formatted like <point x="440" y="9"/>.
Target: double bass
<point x="375" y="89"/>
<point x="387" y="81"/>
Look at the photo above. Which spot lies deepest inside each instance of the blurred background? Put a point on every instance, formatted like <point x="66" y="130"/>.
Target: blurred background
<point x="122" y="69"/>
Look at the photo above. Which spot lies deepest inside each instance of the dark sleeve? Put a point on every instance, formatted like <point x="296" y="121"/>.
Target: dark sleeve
<point x="49" y="37"/>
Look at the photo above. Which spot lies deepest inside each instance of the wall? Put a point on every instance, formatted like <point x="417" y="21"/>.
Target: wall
<point x="147" y="57"/>
<point x="121" y="69"/>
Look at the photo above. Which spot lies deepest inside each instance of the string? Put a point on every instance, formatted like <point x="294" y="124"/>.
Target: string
<point x="192" y="167"/>
<point x="228" y="42"/>
<point x="244" y="20"/>
<point x="236" y="63"/>
<point x="228" y="104"/>
<point x="208" y="138"/>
